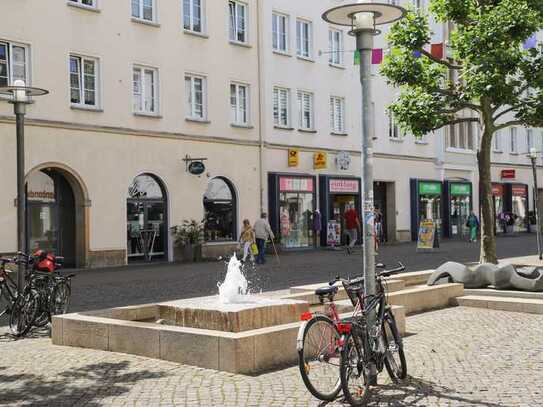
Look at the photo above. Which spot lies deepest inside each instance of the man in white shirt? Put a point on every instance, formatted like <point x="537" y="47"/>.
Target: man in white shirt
<point x="262" y="231"/>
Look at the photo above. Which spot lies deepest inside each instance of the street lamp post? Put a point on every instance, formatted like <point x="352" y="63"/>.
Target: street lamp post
<point x="533" y="157"/>
<point x="20" y="95"/>
<point x="363" y="17"/>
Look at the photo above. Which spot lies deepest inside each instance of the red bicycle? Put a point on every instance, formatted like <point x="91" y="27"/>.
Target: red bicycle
<point x="319" y="341"/>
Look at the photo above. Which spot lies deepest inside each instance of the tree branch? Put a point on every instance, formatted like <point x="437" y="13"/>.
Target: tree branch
<point x="509" y="124"/>
<point x="456" y="121"/>
<point x="503" y="112"/>
<point x="454" y="95"/>
<point x="439" y="61"/>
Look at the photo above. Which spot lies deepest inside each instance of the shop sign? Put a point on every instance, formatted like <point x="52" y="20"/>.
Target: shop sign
<point x="427" y="231"/>
<point x="519" y="190"/>
<point x="319" y="160"/>
<point x="343" y="160"/>
<point x="460" y="189"/>
<point x="339" y="186"/>
<point x="293" y="157"/>
<point x="429" y="188"/>
<point x="508" y="174"/>
<point x="333" y="233"/>
<point x="295" y="184"/>
<point x="197" y="167"/>
<point x="497" y="189"/>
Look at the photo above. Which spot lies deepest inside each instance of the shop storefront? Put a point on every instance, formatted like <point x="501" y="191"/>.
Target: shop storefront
<point x="498" y="201"/>
<point x="517" y="204"/>
<point x="426" y="196"/>
<point x="335" y="196"/>
<point x="292" y="205"/>
<point x="458" y="199"/>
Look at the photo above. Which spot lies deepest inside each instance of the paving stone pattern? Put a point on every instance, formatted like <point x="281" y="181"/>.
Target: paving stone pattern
<point x="456" y="357"/>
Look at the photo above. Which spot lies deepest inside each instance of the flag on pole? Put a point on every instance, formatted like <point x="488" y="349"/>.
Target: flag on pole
<point x="437" y="50"/>
<point x="531" y="42"/>
<point x="376" y="56"/>
<point x="357" y="57"/>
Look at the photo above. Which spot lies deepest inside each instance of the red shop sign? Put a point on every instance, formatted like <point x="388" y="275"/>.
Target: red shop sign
<point x="343" y="186"/>
<point x="497" y="189"/>
<point x="519" y="190"/>
<point x="508" y="174"/>
<point x="287" y="184"/>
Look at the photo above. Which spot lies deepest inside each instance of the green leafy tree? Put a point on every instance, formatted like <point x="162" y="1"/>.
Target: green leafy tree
<point x="487" y="78"/>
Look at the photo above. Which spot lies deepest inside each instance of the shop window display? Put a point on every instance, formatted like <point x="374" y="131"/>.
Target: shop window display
<point x="220" y="211"/>
<point x="296" y="217"/>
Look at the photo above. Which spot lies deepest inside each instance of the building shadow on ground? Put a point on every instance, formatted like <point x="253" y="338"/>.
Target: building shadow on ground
<point x="87" y="385"/>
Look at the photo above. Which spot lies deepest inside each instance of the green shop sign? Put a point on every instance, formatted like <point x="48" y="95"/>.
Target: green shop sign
<point x="460" y="189"/>
<point x="429" y="188"/>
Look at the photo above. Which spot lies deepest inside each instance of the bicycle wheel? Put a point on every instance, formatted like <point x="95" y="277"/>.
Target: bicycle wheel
<point x="394" y="355"/>
<point x="353" y="373"/>
<point x="60" y="298"/>
<point x="319" y="358"/>
<point x="7" y="297"/>
<point x="23" y="313"/>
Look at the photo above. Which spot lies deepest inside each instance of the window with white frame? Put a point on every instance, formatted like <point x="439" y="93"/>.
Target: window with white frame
<point x="462" y="136"/>
<point x="513" y="140"/>
<point x="238" y="21"/>
<point x="13" y="63"/>
<point x="239" y="104"/>
<point x="305" y="110"/>
<point x="83" y="81"/>
<point x="304" y="38"/>
<point x="530" y="139"/>
<point x="193" y="15"/>
<point x="497" y="141"/>
<point x="87" y="3"/>
<point x="195" y="88"/>
<point x="280" y="32"/>
<point x="394" y="132"/>
<point x="143" y="9"/>
<point x="281" y="107"/>
<point x="335" y="45"/>
<point x="145" y="90"/>
<point x="337" y="114"/>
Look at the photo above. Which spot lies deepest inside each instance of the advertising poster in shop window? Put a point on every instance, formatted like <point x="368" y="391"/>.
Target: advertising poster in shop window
<point x="333" y="233"/>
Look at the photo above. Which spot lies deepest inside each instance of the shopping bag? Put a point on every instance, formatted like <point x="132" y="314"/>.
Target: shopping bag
<point x="254" y="249"/>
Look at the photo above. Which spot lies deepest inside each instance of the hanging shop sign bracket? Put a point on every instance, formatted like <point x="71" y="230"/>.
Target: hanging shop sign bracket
<point x="195" y="166"/>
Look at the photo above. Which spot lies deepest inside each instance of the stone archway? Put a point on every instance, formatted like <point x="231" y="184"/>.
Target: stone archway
<point x="57" y="212"/>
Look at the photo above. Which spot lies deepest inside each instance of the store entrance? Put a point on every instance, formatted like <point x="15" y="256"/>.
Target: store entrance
<point x="146" y="220"/>
<point x="339" y="204"/>
<point x="380" y="204"/>
<point x="51" y="215"/>
<point x="460" y="209"/>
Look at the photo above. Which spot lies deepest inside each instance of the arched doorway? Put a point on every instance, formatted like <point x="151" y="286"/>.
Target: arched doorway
<point x="220" y="208"/>
<point x="147" y="220"/>
<point x="55" y="215"/>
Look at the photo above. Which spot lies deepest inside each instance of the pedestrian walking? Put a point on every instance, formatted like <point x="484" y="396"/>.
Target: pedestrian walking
<point x="352" y="225"/>
<point x="473" y="224"/>
<point x="246" y="239"/>
<point x="263" y="231"/>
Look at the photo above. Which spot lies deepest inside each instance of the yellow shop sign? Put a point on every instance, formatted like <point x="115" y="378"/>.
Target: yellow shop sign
<point x="319" y="160"/>
<point x="293" y="157"/>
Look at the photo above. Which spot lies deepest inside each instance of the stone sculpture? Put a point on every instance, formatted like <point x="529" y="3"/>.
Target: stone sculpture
<point x="500" y="277"/>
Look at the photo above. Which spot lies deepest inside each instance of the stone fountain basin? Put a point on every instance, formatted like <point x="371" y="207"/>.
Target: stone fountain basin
<point x="246" y="338"/>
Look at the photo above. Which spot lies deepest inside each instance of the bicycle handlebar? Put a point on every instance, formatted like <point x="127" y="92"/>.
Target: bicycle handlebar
<point x="384" y="273"/>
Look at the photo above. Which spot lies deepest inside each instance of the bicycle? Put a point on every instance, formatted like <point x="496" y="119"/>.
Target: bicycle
<point x="8" y="288"/>
<point x="319" y="340"/>
<point x="364" y="346"/>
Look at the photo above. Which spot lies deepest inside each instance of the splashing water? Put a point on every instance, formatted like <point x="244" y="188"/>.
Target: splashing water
<point x="234" y="287"/>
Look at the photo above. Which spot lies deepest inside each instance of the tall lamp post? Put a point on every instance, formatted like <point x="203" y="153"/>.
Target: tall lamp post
<point x="20" y="96"/>
<point x="533" y="158"/>
<point x="363" y="17"/>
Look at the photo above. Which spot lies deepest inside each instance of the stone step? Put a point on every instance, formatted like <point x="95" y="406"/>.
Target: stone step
<point x="422" y="298"/>
<point x="490" y="292"/>
<point x="526" y="305"/>
<point x="307" y="292"/>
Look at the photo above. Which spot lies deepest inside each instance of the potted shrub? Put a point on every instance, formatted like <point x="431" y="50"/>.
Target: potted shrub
<point x="188" y="239"/>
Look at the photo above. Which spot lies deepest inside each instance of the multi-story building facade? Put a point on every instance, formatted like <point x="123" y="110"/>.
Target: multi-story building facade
<point x="263" y="92"/>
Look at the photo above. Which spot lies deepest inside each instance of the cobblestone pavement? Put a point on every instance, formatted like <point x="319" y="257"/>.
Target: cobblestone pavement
<point x="456" y="357"/>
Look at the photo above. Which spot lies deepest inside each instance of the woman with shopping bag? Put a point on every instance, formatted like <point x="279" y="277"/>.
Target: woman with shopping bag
<point x="247" y="240"/>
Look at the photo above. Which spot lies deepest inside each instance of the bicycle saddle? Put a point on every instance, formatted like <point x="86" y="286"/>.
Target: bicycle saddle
<point x="326" y="290"/>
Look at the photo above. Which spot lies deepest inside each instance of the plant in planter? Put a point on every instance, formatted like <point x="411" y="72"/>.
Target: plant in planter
<point x="188" y="238"/>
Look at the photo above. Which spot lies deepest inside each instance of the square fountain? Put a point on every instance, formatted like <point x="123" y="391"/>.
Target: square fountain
<point x="233" y="332"/>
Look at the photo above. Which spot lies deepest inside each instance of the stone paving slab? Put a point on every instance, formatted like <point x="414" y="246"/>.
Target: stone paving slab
<point x="457" y="357"/>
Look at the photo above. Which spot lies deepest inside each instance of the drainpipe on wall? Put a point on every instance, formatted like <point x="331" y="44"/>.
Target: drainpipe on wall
<point x="261" y="101"/>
